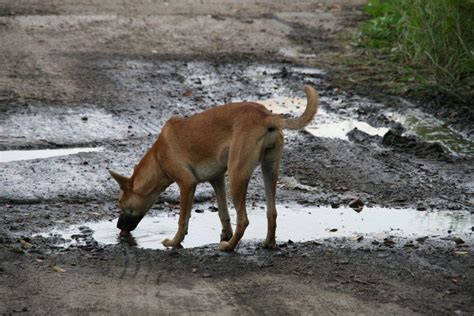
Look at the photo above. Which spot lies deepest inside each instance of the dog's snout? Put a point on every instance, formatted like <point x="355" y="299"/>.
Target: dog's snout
<point x="128" y="222"/>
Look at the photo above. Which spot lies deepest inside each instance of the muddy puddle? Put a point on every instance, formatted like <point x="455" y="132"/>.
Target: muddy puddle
<point x="326" y="124"/>
<point x="16" y="155"/>
<point x="431" y="129"/>
<point x="337" y="125"/>
<point x="295" y="223"/>
<point x="163" y="89"/>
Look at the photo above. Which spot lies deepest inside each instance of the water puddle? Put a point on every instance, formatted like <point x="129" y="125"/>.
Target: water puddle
<point x="16" y="155"/>
<point x="430" y="129"/>
<point x="294" y="222"/>
<point x="325" y="124"/>
<point x="332" y="125"/>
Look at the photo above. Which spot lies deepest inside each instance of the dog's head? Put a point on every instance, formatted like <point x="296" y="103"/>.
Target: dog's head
<point x="133" y="206"/>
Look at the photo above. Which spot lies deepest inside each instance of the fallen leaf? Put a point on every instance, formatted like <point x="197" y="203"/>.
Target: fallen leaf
<point x="58" y="269"/>
<point x="24" y="244"/>
<point x="188" y="93"/>
<point x="358" y="238"/>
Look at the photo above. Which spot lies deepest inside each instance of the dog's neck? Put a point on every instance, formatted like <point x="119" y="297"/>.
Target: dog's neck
<point x="148" y="178"/>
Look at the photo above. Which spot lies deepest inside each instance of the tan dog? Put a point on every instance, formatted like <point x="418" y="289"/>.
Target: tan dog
<point x="233" y="137"/>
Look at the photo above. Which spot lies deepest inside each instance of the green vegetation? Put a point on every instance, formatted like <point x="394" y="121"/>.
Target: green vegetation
<point x="429" y="44"/>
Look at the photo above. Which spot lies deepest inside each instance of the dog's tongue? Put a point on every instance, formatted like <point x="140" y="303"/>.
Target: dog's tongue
<point x="124" y="233"/>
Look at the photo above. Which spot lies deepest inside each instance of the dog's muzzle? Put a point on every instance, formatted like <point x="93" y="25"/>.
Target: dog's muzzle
<point x="126" y="223"/>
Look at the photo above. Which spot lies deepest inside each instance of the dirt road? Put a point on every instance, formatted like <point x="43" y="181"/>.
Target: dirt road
<point x="106" y="75"/>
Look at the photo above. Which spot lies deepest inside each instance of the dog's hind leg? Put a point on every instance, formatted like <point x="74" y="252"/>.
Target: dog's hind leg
<point x="270" y="170"/>
<point x="219" y="187"/>
<point x="243" y="158"/>
<point x="186" y="197"/>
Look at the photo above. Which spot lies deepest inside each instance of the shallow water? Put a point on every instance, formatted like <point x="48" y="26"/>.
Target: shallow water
<point x="331" y="125"/>
<point x="294" y="222"/>
<point x="15" y="155"/>
<point x="325" y="124"/>
<point x="430" y="129"/>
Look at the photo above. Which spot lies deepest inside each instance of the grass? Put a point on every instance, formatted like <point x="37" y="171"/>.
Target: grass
<point x="427" y="45"/>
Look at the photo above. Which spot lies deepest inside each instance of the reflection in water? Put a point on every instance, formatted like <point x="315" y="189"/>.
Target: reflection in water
<point x="127" y="240"/>
<point x="294" y="222"/>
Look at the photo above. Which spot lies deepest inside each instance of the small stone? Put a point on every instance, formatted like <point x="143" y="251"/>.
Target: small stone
<point x="421" y="207"/>
<point x="213" y="209"/>
<point x="422" y="239"/>
<point x="388" y="242"/>
<point x="357" y="205"/>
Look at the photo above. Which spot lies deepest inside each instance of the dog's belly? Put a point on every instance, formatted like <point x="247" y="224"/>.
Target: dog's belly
<point x="206" y="172"/>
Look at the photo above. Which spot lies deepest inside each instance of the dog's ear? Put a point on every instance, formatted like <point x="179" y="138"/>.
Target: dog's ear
<point x="123" y="181"/>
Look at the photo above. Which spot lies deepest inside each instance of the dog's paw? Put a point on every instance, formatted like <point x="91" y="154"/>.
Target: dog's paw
<point x="270" y="244"/>
<point x="226" y="236"/>
<point x="169" y="243"/>
<point x="224" y="246"/>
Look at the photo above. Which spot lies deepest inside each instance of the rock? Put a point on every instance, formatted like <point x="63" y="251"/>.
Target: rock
<point x="388" y="242"/>
<point x="421" y="207"/>
<point x="458" y="241"/>
<point x="360" y="137"/>
<point x="84" y="118"/>
<point x="357" y="205"/>
<point x="198" y="210"/>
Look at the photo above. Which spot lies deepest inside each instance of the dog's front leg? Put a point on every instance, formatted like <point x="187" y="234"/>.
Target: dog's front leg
<point x="185" y="205"/>
<point x="219" y="187"/>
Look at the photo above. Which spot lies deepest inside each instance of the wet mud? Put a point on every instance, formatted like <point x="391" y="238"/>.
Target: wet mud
<point x="91" y="89"/>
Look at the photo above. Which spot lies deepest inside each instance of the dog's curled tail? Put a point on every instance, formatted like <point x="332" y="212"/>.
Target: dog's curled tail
<point x="312" y="108"/>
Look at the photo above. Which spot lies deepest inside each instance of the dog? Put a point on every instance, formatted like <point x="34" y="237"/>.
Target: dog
<point x="232" y="138"/>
